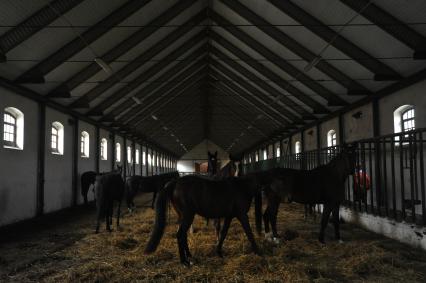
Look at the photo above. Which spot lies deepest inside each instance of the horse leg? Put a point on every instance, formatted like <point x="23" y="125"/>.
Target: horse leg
<point x="336" y="223"/>
<point x="182" y="239"/>
<point x="266" y="219"/>
<point x="222" y="237"/>
<point x="324" y="221"/>
<point x="217" y="227"/>
<point x="243" y="218"/>
<point x="153" y="199"/>
<point x="273" y="216"/>
<point x="306" y="211"/>
<point x="108" y="217"/>
<point x="118" y="214"/>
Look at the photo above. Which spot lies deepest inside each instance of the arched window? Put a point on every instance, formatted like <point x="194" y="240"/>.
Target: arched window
<point x="84" y="144"/>
<point x="13" y="128"/>
<point x="331" y="138"/>
<point x="148" y="161"/>
<point x="277" y="151"/>
<point x="104" y="149"/>
<point x="143" y="158"/>
<point x="57" y="138"/>
<point x="265" y="154"/>
<point x="407" y="120"/>
<point x="404" y="119"/>
<point x="129" y="155"/>
<point x="256" y="157"/>
<point x="137" y="156"/>
<point x="117" y="152"/>
<point x="297" y="147"/>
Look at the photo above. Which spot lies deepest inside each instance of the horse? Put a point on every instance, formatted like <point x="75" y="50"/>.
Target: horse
<point x="322" y="185"/>
<point x="192" y="195"/>
<point x="109" y="187"/>
<point x="211" y="163"/>
<point x="143" y="184"/>
<point x="87" y="179"/>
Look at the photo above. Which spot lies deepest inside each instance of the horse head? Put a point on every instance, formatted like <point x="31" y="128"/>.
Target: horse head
<point x="349" y="156"/>
<point x="212" y="163"/>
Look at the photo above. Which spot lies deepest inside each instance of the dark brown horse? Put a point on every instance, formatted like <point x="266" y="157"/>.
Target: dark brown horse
<point x="109" y="187"/>
<point x="322" y="185"/>
<point x="211" y="163"/>
<point x="190" y="195"/>
<point x="87" y="179"/>
<point x="146" y="184"/>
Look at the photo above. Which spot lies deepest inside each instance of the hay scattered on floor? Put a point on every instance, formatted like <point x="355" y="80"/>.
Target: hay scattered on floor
<point x="73" y="253"/>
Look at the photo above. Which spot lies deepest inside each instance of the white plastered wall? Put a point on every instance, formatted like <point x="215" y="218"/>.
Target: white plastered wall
<point x="18" y="168"/>
<point x="58" y="168"/>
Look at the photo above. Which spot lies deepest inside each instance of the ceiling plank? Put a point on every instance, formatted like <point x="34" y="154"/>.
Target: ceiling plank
<point x="150" y="72"/>
<point x="391" y="25"/>
<point x="139" y="61"/>
<point x="317" y="107"/>
<point x="80" y="42"/>
<point x="63" y="90"/>
<point x="271" y="91"/>
<point x="184" y="79"/>
<point x="34" y="23"/>
<point x="257" y="97"/>
<point x="247" y="99"/>
<point x="332" y="98"/>
<point x="338" y="41"/>
<point x="289" y="116"/>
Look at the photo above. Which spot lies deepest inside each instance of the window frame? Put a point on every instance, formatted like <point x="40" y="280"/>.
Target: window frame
<point x="55" y="149"/>
<point x="14" y="143"/>
<point x="84" y="144"/>
<point x="403" y="130"/>
<point x="104" y="149"/>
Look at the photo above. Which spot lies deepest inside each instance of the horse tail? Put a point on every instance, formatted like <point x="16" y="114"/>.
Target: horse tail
<point x="258" y="211"/>
<point x="160" y="217"/>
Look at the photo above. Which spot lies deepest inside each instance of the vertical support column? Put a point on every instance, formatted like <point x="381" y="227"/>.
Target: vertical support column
<point x="341" y="129"/>
<point x="377" y="155"/>
<point x="41" y="158"/>
<point x="113" y="157"/>
<point x="75" y="155"/>
<point x="302" y="150"/>
<point x="134" y="157"/>
<point x="318" y="145"/>
<point x="97" y="148"/>
<point x="146" y="159"/>
<point x="124" y="152"/>
<point x="140" y="157"/>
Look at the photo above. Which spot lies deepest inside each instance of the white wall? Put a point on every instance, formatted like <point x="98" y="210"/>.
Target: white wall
<point x="199" y="154"/>
<point x="58" y="168"/>
<point x="359" y="128"/>
<point x="86" y="163"/>
<point x="413" y="95"/>
<point x="18" y="168"/>
<point x="310" y="139"/>
<point x="105" y="165"/>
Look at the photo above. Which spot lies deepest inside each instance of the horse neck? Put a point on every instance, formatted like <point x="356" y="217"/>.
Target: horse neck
<point x="339" y="167"/>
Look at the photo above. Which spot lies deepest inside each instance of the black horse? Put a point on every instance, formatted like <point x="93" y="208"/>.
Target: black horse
<point x="87" y="179"/>
<point x="322" y="185"/>
<point x="150" y="184"/>
<point x="109" y="187"/>
<point x="211" y="163"/>
<point x="190" y="195"/>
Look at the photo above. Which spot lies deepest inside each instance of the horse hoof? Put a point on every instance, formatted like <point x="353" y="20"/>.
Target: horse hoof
<point x="268" y="236"/>
<point x="187" y="263"/>
<point x="275" y="240"/>
<point x="219" y="254"/>
<point x="341" y="242"/>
